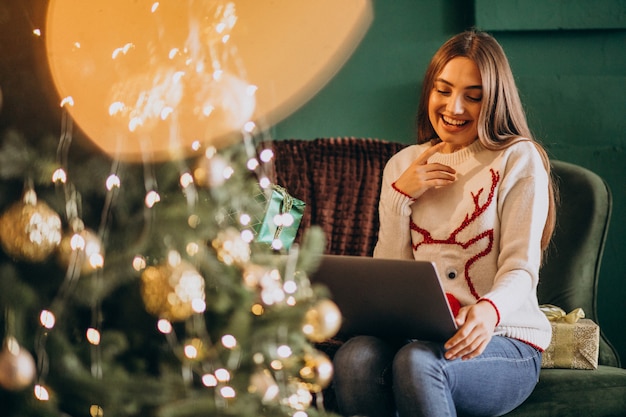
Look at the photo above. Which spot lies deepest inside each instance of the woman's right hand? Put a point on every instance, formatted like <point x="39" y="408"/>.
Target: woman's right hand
<point x="421" y="176"/>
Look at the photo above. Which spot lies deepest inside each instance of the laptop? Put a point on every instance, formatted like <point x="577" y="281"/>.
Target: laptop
<point x="387" y="298"/>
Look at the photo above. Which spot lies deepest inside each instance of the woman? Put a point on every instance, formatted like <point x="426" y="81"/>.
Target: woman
<point x="475" y="197"/>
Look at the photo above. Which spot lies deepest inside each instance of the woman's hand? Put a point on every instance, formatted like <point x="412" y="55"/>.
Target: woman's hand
<point x="476" y="325"/>
<point x="421" y="176"/>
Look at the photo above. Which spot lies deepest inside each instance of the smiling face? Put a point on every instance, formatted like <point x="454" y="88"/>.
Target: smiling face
<point x="454" y="103"/>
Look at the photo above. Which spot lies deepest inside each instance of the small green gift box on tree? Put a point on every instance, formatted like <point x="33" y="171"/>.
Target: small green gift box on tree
<point x="282" y="218"/>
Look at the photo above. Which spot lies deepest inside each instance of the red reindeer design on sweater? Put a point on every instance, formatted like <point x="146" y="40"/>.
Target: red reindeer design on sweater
<point x="453" y="238"/>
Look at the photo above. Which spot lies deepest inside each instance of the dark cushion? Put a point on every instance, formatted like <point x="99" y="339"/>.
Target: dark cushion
<point x="577" y="393"/>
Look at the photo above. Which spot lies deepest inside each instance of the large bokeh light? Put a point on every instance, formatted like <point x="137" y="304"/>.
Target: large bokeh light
<point x="146" y="80"/>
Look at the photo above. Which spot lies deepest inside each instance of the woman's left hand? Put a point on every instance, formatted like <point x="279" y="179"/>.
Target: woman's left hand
<point x="476" y="325"/>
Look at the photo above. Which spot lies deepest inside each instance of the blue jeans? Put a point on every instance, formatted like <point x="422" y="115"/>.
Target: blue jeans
<point x="378" y="378"/>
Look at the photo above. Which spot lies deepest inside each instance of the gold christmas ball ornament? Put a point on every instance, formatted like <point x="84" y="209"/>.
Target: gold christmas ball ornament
<point x="264" y="385"/>
<point x="195" y="349"/>
<point x="231" y="248"/>
<point x="317" y="371"/>
<point x="298" y="396"/>
<point x="322" y="321"/>
<point x="173" y="292"/>
<point x="253" y="274"/>
<point x="30" y="230"/>
<point x="17" y="366"/>
<point x="83" y="248"/>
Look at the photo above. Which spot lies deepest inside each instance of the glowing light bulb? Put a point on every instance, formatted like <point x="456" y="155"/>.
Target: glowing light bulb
<point x="113" y="181"/>
<point x="47" y="319"/>
<point x="186" y="180"/>
<point x="96" y="411"/>
<point x="247" y="236"/>
<point x="290" y="287"/>
<point x="139" y="263"/>
<point x="245" y="219"/>
<point x="67" y="101"/>
<point x="174" y="258"/>
<point x="284" y="351"/>
<point x="265" y="182"/>
<point x="228" y="172"/>
<point x="210" y="152"/>
<point x="278" y="220"/>
<point x="59" y="175"/>
<point x="228" y="392"/>
<point x="222" y="375"/>
<point x="41" y="393"/>
<point x="164" y="326"/>
<point x="152" y="198"/>
<point x="192" y="248"/>
<point x="193" y="221"/>
<point x="96" y="260"/>
<point x="209" y="380"/>
<point x="93" y="336"/>
<point x="287" y="219"/>
<point x="266" y="155"/>
<point x="229" y="341"/>
<point x="252" y="164"/>
<point x="191" y="352"/>
<point x="249" y="126"/>
<point x="257" y="309"/>
<point x="77" y="242"/>
<point x="277" y="244"/>
<point x="198" y="305"/>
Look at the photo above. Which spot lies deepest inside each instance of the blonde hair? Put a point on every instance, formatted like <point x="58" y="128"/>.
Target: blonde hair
<point x="502" y="121"/>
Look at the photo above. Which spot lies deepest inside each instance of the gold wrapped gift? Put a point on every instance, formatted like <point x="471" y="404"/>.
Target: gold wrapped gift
<point x="575" y="340"/>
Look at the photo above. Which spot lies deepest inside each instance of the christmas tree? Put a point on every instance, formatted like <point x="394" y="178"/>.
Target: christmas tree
<point x="144" y="287"/>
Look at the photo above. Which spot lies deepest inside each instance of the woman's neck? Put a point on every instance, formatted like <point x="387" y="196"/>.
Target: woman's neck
<point x="451" y="147"/>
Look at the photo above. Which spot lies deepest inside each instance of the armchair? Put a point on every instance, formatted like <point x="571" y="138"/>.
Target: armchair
<point x="340" y="179"/>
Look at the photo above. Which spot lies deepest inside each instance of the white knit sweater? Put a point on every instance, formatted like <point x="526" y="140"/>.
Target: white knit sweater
<point x="483" y="231"/>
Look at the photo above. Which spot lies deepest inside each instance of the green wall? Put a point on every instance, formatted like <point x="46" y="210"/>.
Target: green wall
<point x="572" y="81"/>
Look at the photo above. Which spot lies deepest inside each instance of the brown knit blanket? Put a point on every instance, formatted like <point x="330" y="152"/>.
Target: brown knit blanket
<point x="339" y="179"/>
